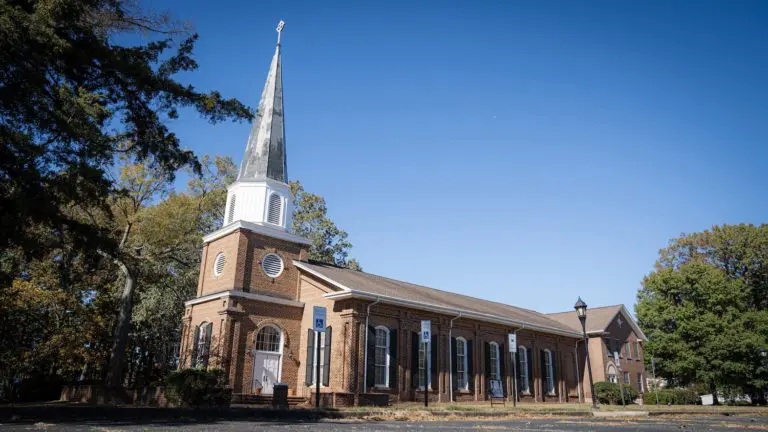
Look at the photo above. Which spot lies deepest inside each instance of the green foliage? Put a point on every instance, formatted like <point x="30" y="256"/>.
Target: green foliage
<point x="76" y="92"/>
<point x="610" y="393"/>
<point x="310" y="220"/>
<point x="59" y="310"/>
<point x="671" y="396"/>
<point x="705" y="309"/>
<point x="198" y="388"/>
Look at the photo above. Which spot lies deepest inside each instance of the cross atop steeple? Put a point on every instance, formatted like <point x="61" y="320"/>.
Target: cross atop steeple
<point x="279" y="30"/>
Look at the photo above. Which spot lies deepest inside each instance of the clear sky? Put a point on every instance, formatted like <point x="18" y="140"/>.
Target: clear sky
<point x="523" y="152"/>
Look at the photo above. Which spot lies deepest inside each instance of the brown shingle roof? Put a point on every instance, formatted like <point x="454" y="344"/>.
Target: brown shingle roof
<point x="598" y="318"/>
<point x="379" y="286"/>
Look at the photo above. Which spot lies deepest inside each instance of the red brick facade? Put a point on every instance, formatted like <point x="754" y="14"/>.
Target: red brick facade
<point x="242" y="300"/>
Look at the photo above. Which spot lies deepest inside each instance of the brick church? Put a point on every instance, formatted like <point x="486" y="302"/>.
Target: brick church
<point x="252" y="314"/>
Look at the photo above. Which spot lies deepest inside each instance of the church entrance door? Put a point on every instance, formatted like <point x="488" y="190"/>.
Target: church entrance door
<point x="267" y="358"/>
<point x="267" y="371"/>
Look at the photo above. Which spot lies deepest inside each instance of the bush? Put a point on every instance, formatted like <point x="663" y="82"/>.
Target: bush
<point x="674" y="396"/>
<point x="198" y="387"/>
<point x="609" y="393"/>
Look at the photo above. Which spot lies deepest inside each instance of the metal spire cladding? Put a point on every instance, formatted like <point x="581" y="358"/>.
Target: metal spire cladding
<point x="265" y="151"/>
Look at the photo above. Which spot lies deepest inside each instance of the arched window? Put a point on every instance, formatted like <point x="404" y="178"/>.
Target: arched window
<point x="495" y="372"/>
<point x="522" y="353"/>
<point x="612" y="374"/>
<point x="202" y="345"/>
<point x="231" y="214"/>
<point x="381" y="358"/>
<point x="275" y="209"/>
<point x="268" y="339"/>
<point x="550" y="378"/>
<point x="462" y="378"/>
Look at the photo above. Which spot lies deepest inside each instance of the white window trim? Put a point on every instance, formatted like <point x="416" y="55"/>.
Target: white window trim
<point x="205" y="328"/>
<point x="269" y="209"/>
<point x="387" y="361"/>
<point x="282" y="265"/>
<point x="464" y="364"/>
<point x="231" y="212"/>
<point x="280" y="341"/>
<point x="522" y="350"/>
<point x="550" y="371"/>
<point x="217" y="273"/>
<point x="495" y="349"/>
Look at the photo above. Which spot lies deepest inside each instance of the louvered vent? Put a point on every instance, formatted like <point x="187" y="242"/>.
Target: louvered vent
<point x="218" y="264"/>
<point x="275" y="209"/>
<point x="272" y="265"/>
<point x="231" y="215"/>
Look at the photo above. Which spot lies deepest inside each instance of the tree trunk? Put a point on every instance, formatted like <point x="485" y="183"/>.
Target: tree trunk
<point x="117" y="356"/>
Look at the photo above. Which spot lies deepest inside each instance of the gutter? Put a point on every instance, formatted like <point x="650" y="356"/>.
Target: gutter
<point x="365" y="356"/>
<point x="444" y="310"/>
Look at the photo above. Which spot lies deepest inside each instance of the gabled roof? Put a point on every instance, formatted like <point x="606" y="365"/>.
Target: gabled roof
<point x="598" y="319"/>
<point x="355" y="284"/>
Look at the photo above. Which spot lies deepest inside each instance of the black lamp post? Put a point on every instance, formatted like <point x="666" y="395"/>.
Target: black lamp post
<point x="581" y="311"/>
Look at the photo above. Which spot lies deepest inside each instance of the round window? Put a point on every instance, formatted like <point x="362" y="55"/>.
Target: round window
<point x="218" y="264"/>
<point x="272" y="265"/>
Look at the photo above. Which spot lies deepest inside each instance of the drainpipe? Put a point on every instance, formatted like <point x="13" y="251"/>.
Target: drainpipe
<point x="365" y="356"/>
<point x="450" y="360"/>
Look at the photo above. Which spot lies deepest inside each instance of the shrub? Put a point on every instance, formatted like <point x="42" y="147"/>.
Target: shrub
<point x="673" y="396"/>
<point x="609" y="393"/>
<point x="198" y="387"/>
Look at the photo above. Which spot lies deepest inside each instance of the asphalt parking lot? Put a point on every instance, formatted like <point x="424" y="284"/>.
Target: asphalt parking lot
<point x="690" y="423"/>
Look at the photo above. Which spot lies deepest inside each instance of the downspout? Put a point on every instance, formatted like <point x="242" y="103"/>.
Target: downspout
<point x="450" y="360"/>
<point x="365" y="355"/>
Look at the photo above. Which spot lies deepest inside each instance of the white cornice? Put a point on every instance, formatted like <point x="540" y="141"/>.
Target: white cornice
<point x="245" y="295"/>
<point x="274" y="184"/>
<point x="257" y="228"/>
<point x="300" y="265"/>
<point x="632" y="323"/>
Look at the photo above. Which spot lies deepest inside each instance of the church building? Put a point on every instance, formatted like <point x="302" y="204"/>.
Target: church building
<point x="253" y="310"/>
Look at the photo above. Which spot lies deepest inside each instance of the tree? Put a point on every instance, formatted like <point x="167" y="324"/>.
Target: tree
<point x="310" y="220"/>
<point x="73" y="96"/>
<point x="704" y="309"/>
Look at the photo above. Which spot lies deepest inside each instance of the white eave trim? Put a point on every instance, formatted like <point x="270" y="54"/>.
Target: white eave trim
<point x="321" y="276"/>
<point x="445" y="310"/>
<point x="257" y="228"/>
<point x="245" y="295"/>
<point x="632" y="323"/>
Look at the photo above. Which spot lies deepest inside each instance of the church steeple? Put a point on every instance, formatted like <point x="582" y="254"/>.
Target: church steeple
<point x="265" y="151"/>
<point x="261" y="194"/>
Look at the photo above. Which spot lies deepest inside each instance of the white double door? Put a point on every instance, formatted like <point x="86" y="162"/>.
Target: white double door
<point x="266" y="371"/>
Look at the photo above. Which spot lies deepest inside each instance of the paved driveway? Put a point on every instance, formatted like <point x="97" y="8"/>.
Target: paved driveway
<point x="688" y="423"/>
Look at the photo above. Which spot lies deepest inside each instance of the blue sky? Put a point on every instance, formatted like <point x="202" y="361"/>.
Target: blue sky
<point x="523" y="152"/>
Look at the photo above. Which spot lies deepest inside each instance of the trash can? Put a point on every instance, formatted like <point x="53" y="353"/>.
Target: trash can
<point x="280" y="395"/>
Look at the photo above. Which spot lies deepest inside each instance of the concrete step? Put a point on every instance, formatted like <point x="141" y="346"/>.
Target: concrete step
<point x="249" y="399"/>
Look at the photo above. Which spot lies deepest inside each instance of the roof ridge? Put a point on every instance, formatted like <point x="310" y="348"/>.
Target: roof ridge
<point x="592" y="308"/>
